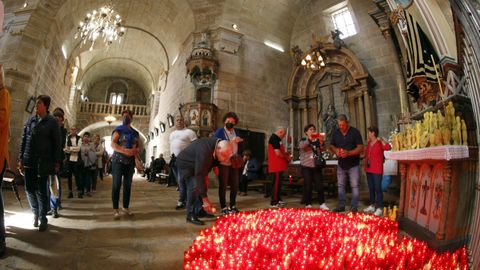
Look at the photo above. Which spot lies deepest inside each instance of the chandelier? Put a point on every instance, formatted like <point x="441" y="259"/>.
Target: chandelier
<point x="110" y="119"/>
<point x="104" y="24"/>
<point x="313" y="60"/>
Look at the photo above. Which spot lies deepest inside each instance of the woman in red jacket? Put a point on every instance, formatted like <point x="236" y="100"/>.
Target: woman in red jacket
<point x="374" y="169"/>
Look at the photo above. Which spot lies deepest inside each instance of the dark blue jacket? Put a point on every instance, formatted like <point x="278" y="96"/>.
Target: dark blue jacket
<point x="220" y="134"/>
<point x="253" y="168"/>
<point x="41" y="145"/>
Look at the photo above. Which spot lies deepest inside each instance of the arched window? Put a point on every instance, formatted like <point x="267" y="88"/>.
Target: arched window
<point x="117" y="93"/>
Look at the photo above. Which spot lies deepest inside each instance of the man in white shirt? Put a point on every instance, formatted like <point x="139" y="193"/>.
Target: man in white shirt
<point x="72" y="148"/>
<point x="179" y="139"/>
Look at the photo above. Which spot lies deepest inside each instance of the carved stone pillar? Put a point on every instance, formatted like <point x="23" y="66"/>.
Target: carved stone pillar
<point x="361" y="115"/>
<point x="368" y="108"/>
<point x="403" y="183"/>
<point x="447" y="179"/>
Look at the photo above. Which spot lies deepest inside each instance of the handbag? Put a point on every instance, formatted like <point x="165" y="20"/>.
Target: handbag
<point x="237" y="161"/>
<point x="320" y="162"/>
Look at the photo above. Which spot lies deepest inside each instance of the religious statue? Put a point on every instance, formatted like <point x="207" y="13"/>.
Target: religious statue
<point x="458" y="128"/>
<point x="337" y="41"/>
<point x="330" y="121"/>
<point x="418" y="134"/>
<point x="450" y="114"/>
<point x="424" y="139"/>
<point x="296" y="54"/>
<point x="464" y="133"/>
<point x="446" y="135"/>
<point x="438" y="137"/>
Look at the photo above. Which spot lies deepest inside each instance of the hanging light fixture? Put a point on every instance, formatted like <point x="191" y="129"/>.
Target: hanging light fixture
<point x="103" y="23"/>
<point x="313" y="60"/>
<point x="110" y="119"/>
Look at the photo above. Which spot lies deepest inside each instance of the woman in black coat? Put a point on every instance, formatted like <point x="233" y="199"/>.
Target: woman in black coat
<point x="40" y="152"/>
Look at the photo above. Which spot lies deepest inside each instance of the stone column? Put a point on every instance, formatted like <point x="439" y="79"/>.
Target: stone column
<point x="361" y="115"/>
<point x="368" y="108"/>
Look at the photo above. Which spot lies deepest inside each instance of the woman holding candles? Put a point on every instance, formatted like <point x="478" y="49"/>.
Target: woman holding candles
<point x="311" y="149"/>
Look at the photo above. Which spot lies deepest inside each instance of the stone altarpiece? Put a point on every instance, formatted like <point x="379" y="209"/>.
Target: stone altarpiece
<point x="340" y="87"/>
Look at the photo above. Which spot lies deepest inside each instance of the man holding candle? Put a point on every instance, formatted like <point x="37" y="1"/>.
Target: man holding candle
<point x="347" y="144"/>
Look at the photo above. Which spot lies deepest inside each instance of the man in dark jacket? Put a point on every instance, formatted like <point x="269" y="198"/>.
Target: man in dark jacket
<point x="40" y="156"/>
<point x="193" y="164"/>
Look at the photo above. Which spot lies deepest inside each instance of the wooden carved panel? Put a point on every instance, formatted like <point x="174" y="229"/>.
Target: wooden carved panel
<point x="425" y="186"/>
<point x="436" y="198"/>
<point x="413" y="191"/>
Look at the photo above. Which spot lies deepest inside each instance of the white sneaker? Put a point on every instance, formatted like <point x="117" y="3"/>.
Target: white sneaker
<point x="370" y="209"/>
<point x="281" y="203"/>
<point x="378" y="212"/>
<point x="116" y="214"/>
<point x="127" y="212"/>
<point x="308" y="206"/>
<point x="274" y="205"/>
<point x="323" y="206"/>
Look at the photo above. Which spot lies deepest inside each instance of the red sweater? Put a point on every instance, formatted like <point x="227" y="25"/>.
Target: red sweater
<point x="374" y="153"/>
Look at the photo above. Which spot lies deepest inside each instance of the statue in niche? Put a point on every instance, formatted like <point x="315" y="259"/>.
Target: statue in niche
<point x="337" y="41"/>
<point x="330" y="121"/>
<point x="206" y="118"/>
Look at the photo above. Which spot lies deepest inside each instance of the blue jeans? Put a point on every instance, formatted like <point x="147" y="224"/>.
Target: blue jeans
<point x="182" y="188"/>
<point x="55" y="186"/>
<point x="2" y="209"/>
<point x="354" y="175"/>
<point x="36" y="188"/>
<point x="375" y="188"/>
<point x="119" y="171"/>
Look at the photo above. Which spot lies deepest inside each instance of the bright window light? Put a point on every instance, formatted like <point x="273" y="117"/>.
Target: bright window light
<point x="342" y="20"/>
<point x="64" y="52"/>
<point x="274" y="45"/>
<point x="174" y="60"/>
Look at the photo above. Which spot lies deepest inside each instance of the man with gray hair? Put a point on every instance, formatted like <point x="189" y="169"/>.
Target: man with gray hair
<point x="347" y="144"/>
<point x="193" y="164"/>
<point x="278" y="159"/>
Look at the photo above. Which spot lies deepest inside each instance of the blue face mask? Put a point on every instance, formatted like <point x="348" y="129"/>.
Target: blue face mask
<point x="126" y="121"/>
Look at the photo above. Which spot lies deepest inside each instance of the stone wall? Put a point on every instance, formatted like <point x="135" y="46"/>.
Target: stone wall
<point x="33" y="63"/>
<point x="376" y="53"/>
<point x="98" y="92"/>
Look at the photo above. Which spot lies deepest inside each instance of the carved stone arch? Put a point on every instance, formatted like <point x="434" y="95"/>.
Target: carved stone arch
<point x="341" y="83"/>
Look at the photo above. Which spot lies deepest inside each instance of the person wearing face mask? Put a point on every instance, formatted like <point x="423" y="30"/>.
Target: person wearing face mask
<point x="193" y="164"/>
<point x="125" y="143"/>
<point x="227" y="173"/>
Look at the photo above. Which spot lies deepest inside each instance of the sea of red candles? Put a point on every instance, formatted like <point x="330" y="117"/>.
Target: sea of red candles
<point x="312" y="239"/>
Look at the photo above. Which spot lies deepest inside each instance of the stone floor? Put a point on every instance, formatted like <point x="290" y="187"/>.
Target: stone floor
<point x="87" y="237"/>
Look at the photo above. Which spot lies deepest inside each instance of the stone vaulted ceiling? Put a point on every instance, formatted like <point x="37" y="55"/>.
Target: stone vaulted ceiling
<point x="157" y="30"/>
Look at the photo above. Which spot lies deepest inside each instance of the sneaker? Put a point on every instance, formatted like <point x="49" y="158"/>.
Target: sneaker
<point x="308" y="206"/>
<point x="116" y="214"/>
<point x="127" y="212"/>
<point x="226" y="211"/>
<point x="234" y="209"/>
<point x="274" y="205"/>
<point x="180" y="205"/>
<point x="370" y="209"/>
<point x="35" y="221"/>
<point x="378" y="212"/>
<point x="49" y="212"/>
<point x="89" y="194"/>
<point x="282" y="202"/>
<point x="323" y="206"/>
<point x="339" y="209"/>
<point x="43" y="226"/>
<point x="354" y="210"/>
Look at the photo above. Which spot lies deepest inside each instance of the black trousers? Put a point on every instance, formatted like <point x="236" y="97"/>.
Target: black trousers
<point x="228" y="175"/>
<point x="276" y="187"/>
<point x="312" y="176"/>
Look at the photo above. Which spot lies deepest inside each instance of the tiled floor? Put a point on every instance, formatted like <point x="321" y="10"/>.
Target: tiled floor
<point x="87" y="237"/>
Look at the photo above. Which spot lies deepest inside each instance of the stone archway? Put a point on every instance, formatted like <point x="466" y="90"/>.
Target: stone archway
<point x="339" y="87"/>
